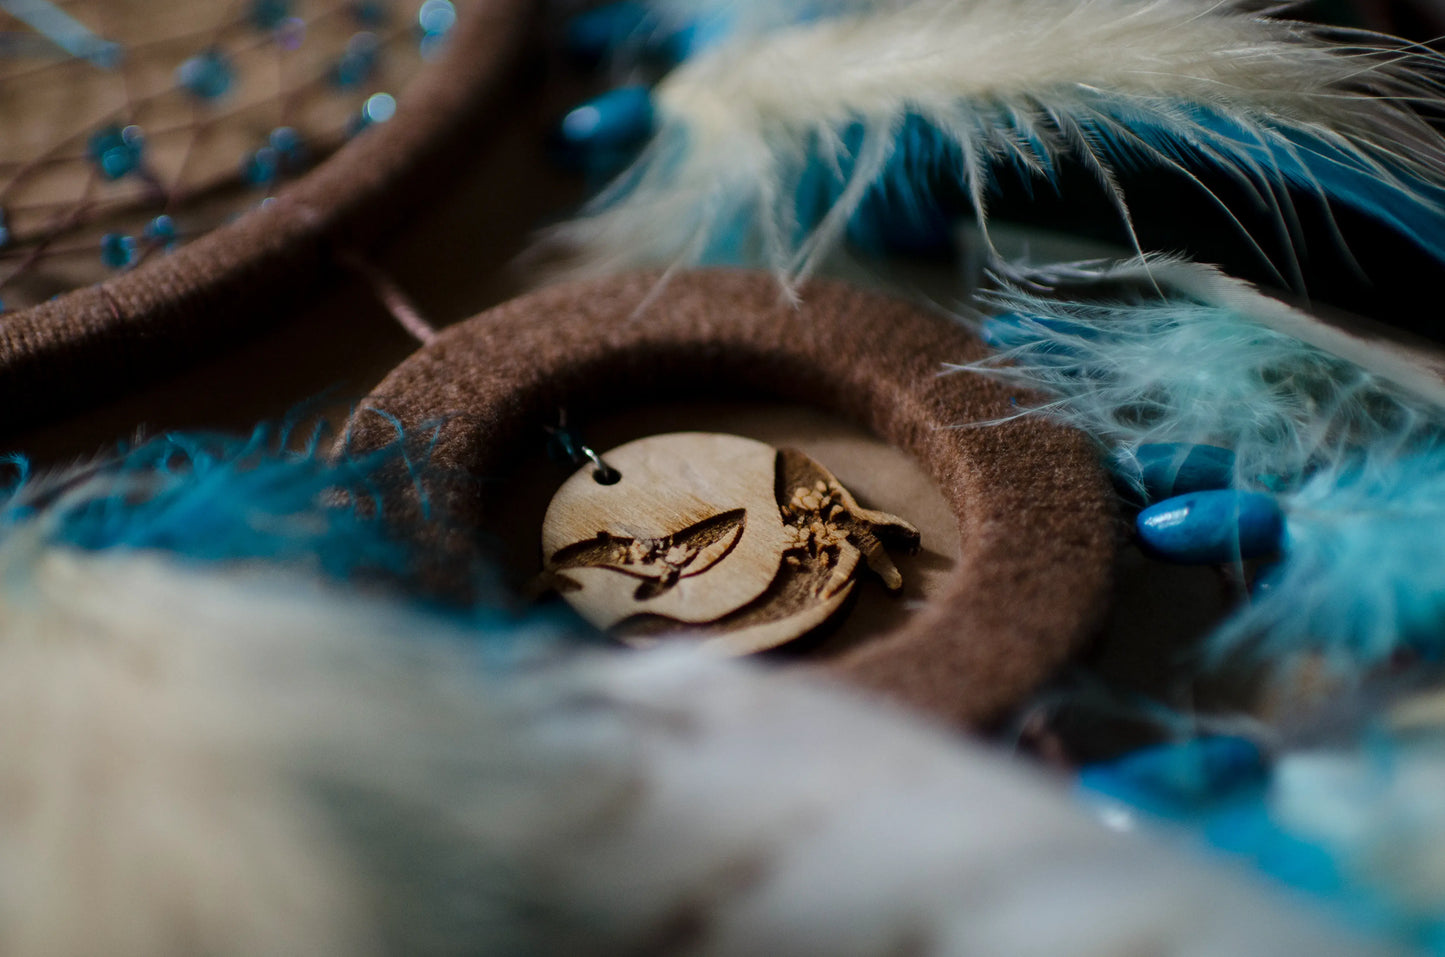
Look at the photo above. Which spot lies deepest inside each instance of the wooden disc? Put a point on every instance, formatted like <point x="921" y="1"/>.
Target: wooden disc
<point x="1034" y="509"/>
<point x="720" y="539"/>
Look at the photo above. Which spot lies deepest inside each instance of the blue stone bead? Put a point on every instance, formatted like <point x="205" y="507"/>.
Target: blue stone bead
<point x="358" y="62"/>
<point x="378" y="108"/>
<point x="289" y="145"/>
<point x="116" y="152"/>
<point x="1180" y="779"/>
<point x="436" y="17"/>
<point x="269" y="14"/>
<point x="1172" y="468"/>
<point x="161" y="231"/>
<point x="595" y="35"/>
<point x="371" y="13"/>
<point x="604" y="129"/>
<point x="261" y="168"/>
<point x="118" y="251"/>
<point x="207" y="75"/>
<point x="1212" y="527"/>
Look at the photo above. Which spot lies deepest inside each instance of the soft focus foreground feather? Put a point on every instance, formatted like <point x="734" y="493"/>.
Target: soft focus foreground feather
<point x="770" y="143"/>
<point x="1356" y="454"/>
<point x="223" y="758"/>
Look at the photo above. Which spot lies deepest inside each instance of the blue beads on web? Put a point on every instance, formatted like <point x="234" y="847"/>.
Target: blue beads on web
<point x="371" y="13"/>
<point x="358" y="61"/>
<point x="161" y="231"/>
<point x="119" y="251"/>
<point x="208" y="75"/>
<point x="378" y="108"/>
<point x="1212" y="527"/>
<point x="269" y="14"/>
<point x="434" y="21"/>
<point x="602" y="135"/>
<point x="116" y="152"/>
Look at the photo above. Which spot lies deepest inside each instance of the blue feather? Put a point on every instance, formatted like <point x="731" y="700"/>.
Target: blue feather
<point x="210" y="497"/>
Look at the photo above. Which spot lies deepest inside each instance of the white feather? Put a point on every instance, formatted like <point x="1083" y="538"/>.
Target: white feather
<point x="1026" y="81"/>
<point x="221" y="764"/>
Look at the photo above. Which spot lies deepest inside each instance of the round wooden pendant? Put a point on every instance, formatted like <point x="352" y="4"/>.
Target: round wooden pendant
<point x="1033" y="508"/>
<point x="717" y="538"/>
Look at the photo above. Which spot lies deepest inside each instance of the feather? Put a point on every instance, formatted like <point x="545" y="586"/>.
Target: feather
<point x="215" y="497"/>
<point x="771" y="143"/>
<point x="1173" y="352"/>
<point x="198" y="761"/>
<point x="1355" y="455"/>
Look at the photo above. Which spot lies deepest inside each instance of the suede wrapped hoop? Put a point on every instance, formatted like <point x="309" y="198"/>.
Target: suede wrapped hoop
<point x="1034" y="508"/>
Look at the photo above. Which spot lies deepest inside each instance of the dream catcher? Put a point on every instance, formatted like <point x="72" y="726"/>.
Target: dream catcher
<point x="458" y="771"/>
<point x="163" y="162"/>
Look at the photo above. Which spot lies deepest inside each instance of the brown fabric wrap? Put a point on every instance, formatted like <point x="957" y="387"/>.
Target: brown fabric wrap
<point x="1034" y="508"/>
<point x="103" y="339"/>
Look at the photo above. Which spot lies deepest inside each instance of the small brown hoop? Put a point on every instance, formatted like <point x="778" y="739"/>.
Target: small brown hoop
<point x="1032" y="503"/>
<point x="101" y="339"/>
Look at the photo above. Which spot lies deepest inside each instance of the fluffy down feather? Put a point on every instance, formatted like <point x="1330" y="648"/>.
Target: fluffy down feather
<point x="1207" y="360"/>
<point x="202" y="763"/>
<point x="770" y="143"/>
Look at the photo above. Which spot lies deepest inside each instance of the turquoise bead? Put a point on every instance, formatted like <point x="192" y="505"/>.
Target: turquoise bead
<point x="358" y="62"/>
<point x="161" y="231"/>
<point x="1180" y="779"/>
<point x="370" y="13"/>
<point x="595" y="35"/>
<point x="269" y="14"/>
<point x="118" y="251"/>
<point x="603" y="134"/>
<point x="207" y="75"/>
<point x="1172" y="468"/>
<point x="1212" y="527"/>
<point x="262" y="167"/>
<point x="116" y="152"/>
<point x="436" y="18"/>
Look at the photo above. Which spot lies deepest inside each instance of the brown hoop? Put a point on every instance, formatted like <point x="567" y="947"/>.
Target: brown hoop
<point x="101" y="339"/>
<point x="1031" y="501"/>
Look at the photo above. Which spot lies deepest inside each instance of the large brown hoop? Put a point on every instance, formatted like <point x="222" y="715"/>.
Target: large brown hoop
<point x="1032" y="503"/>
<point x="100" y="339"/>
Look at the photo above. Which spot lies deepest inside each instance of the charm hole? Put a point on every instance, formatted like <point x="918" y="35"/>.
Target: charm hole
<point x="606" y="475"/>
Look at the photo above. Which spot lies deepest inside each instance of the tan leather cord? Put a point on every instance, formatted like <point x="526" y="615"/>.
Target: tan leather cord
<point x="102" y="339"/>
<point x="1033" y="506"/>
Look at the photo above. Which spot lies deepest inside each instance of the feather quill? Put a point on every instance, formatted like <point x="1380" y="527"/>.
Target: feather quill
<point x="771" y="142"/>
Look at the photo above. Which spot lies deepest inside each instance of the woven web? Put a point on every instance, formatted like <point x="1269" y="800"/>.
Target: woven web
<point x="209" y="108"/>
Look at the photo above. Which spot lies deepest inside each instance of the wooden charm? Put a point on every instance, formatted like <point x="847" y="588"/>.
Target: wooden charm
<point x="714" y="537"/>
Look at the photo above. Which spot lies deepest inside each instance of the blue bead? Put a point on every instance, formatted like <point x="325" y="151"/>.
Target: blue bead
<point x="207" y="75"/>
<point x="118" y="251"/>
<point x="116" y="152"/>
<point x="1172" y="468"/>
<point x="358" y="62"/>
<point x="161" y="231"/>
<point x="269" y="14"/>
<point x="436" y="17"/>
<point x="370" y="13"/>
<point x="1212" y="527"/>
<point x="261" y="168"/>
<point x="593" y="36"/>
<point x="606" y="130"/>
<point x="1180" y="779"/>
<point x="289" y="145"/>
